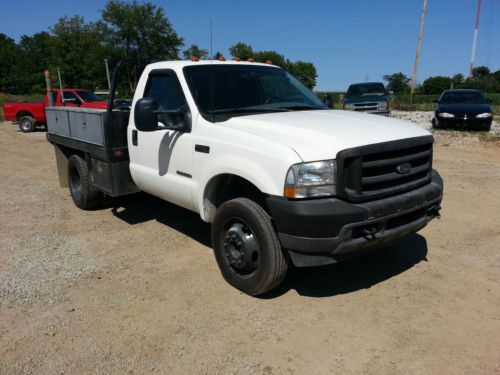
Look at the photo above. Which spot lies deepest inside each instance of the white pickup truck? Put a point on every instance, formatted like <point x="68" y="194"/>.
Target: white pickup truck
<point x="281" y="177"/>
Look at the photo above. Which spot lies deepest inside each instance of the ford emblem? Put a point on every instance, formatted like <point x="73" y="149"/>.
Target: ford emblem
<point x="403" y="168"/>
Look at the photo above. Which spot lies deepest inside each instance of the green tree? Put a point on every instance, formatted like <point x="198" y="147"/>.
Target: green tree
<point x="480" y="72"/>
<point x="79" y="52"/>
<point x="305" y="72"/>
<point x="457" y="80"/>
<point x="36" y="55"/>
<point x="195" y="51"/>
<point x="397" y="82"/>
<point x="9" y="55"/>
<point x="241" y="50"/>
<point x="496" y="77"/>
<point x="435" y="85"/>
<point x="274" y="57"/>
<point x="140" y="30"/>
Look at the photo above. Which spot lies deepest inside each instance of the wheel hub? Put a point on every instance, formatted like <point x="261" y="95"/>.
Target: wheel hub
<point x="240" y="248"/>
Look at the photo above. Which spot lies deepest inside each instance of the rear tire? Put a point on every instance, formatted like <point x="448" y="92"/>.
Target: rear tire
<point x="27" y="124"/>
<point x="247" y="248"/>
<point x="81" y="186"/>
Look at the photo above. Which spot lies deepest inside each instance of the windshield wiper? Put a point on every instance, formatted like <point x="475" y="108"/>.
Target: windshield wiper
<point x="243" y="110"/>
<point x="300" y="106"/>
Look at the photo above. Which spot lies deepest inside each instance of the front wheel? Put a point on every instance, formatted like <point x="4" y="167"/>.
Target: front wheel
<point x="247" y="248"/>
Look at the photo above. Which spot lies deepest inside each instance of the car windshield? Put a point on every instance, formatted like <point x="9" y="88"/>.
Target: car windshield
<point x="471" y="97"/>
<point x="88" y="96"/>
<point x="223" y="91"/>
<point x="366" y="90"/>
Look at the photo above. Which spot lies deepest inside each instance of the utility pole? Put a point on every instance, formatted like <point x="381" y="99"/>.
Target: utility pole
<point x="414" y="79"/>
<point x="474" y="41"/>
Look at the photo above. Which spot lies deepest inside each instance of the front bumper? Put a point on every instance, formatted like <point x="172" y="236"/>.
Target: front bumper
<point x="323" y="231"/>
<point x="464" y="123"/>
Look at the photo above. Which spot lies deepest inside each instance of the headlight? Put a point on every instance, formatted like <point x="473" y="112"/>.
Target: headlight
<point x="382" y="106"/>
<point x="446" y="115"/>
<point x="306" y="180"/>
<point x="484" y="115"/>
<point x="349" y="107"/>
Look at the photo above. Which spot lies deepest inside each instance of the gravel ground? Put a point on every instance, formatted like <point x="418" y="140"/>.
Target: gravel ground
<point x="134" y="287"/>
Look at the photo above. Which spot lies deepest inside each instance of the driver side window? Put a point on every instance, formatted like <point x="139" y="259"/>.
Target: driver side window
<point x="164" y="87"/>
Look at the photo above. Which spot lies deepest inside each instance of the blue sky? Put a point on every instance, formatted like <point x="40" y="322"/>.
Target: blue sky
<point x="348" y="41"/>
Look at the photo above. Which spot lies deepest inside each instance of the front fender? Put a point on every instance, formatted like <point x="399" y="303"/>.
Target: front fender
<point x="268" y="180"/>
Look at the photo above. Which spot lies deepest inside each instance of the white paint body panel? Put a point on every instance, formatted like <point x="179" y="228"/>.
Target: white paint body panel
<point x="259" y="148"/>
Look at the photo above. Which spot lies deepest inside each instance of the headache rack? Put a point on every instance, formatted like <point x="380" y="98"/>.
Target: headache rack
<point x="384" y="169"/>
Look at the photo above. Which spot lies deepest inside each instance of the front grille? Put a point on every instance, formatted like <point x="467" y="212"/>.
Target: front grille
<point x="365" y="107"/>
<point x="383" y="169"/>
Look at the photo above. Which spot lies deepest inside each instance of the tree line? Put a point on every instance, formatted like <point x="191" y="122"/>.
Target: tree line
<point x="124" y="30"/>
<point x="482" y="79"/>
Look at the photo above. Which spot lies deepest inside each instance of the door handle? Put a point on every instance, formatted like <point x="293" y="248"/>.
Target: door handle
<point x="134" y="137"/>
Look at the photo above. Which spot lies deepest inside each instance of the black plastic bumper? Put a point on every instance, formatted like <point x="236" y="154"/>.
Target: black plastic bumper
<point x="457" y="123"/>
<point x="333" y="230"/>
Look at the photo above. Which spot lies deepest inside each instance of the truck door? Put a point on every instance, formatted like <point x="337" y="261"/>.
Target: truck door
<point x="161" y="160"/>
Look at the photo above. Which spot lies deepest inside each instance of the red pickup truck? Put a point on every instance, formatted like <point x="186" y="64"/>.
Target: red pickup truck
<point x="29" y="115"/>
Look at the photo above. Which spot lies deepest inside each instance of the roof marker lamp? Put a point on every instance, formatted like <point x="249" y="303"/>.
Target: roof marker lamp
<point x="311" y="180"/>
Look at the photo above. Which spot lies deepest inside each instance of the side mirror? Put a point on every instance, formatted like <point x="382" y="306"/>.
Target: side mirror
<point x="435" y="101"/>
<point x="327" y="99"/>
<point x="71" y="100"/>
<point x="146" y="116"/>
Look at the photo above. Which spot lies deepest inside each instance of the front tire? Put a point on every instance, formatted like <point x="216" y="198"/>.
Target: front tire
<point x="27" y="124"/>
<point x="247" y="248"/>
<point x="81" y="186"/>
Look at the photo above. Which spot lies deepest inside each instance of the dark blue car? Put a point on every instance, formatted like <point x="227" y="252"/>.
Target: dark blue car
<point x="462" y="109"/>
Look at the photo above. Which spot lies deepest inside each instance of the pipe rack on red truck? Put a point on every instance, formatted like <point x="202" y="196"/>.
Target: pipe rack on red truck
<point x="29" y="115"/>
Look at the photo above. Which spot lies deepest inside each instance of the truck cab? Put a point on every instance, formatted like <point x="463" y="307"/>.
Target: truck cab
<point x="281" y="177"/>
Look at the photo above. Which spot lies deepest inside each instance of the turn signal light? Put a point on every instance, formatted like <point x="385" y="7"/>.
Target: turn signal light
<point x="289" y="192"/>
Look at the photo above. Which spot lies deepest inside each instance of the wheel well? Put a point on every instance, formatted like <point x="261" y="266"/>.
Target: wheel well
<point x="224" y="187"/>
<point x="23" y="113"/>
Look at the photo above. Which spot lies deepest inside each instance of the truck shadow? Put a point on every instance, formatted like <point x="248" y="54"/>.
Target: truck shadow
<point x="142" y="207"/>
<point x="356" y="274"/>
<point x="341" y="278"/>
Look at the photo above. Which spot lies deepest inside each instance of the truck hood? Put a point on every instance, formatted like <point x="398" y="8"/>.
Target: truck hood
<point x="321" y="134"/>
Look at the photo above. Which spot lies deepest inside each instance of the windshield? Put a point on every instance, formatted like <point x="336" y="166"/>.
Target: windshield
<point x="471" y="97"/>
<point x="366" y="90"/>
<point x="243" y="90"/>
<point x="88" y="96"/>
